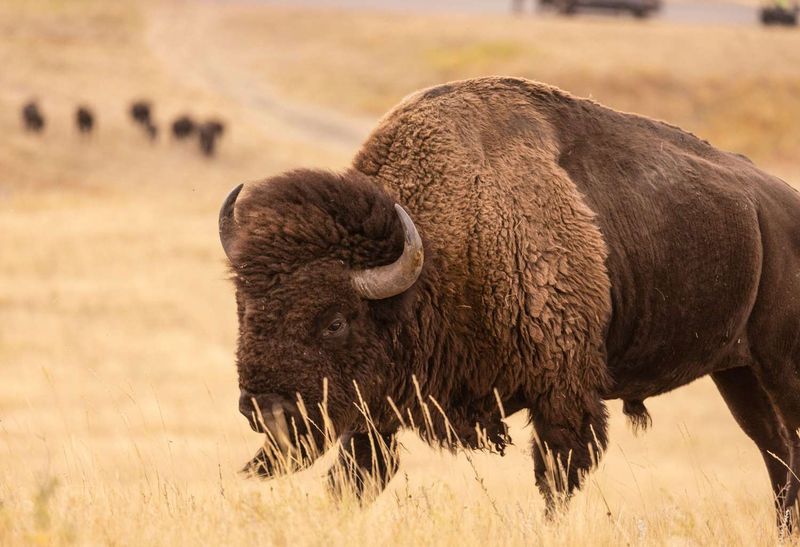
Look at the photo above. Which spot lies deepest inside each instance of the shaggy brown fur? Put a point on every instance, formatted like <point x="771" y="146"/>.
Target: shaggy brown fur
<point x="573" y="254"/>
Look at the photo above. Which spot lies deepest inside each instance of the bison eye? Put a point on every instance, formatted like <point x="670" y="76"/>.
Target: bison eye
<point x="337" y="327"/>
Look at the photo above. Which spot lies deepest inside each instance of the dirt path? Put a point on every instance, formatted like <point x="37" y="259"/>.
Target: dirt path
<point x="190" y="45"/>
<point x="184" y="41"/>
<point x="716" y="12"/>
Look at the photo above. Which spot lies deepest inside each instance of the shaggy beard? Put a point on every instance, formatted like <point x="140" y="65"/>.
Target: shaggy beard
<point x="454" y="430"/>
<point x="489" y="434"/>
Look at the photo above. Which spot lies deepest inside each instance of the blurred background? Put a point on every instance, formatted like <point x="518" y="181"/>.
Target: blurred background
<point x="122" y="127"/>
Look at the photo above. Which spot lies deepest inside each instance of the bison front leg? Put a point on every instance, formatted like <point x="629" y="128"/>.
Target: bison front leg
<point x="366" y="464"/>
<point x="564" y="452"/>
<point x="269" y="463"/>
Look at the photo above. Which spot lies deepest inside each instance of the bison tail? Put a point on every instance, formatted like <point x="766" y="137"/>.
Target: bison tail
<point x="637" y="415"/>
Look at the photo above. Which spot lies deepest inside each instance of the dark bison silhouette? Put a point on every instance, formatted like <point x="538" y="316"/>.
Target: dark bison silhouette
<point x="183" y="127"/>
<point x="141" y="112"/>
<point x="32" y="117"/>
<point x="501" y="241"/>
<point x="208" y="133"/>
<point x="84" y="119"/>
<point x="216" y="126"/>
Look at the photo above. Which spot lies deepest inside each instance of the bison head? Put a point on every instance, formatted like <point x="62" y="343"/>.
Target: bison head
<point x="323" y="266"/>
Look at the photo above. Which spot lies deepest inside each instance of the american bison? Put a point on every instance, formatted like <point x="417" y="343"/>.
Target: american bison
<point x="183" y="127"/>
<point x="32" y="117"/>
<point x="84" y="119"/>
<point x="216" y="126"/>
<point x="141" y="112"/>
<point x="209" y="132"/>
<point x="501" y="241"/>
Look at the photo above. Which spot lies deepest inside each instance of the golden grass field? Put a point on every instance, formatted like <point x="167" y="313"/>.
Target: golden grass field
<point x="118" y="399"/>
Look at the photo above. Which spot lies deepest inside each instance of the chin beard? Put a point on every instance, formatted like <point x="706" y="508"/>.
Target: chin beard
<point x="458" y="431"/>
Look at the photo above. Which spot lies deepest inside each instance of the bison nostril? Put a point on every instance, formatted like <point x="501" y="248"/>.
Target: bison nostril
<point x="248" y="406"/>
<point x="245" y="403"/>
<point x="268" y="413"/>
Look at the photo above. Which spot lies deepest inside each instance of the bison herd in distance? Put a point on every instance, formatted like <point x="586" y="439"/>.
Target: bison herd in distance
<point x="183" y="127"/>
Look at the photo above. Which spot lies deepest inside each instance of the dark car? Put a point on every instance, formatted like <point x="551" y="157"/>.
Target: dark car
<point x="639" y="8"/>
<point x="780" y="13"/>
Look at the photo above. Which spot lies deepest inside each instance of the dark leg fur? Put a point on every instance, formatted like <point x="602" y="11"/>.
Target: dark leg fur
<point x="264" y="466"/>
<point x="564" y="454"/>
<point x="756" y="415"/>
<point x="637" y="415"/>
<point x="782" y="385"/>
<point x="366" y="464"/>
<point x="259" y="466"/>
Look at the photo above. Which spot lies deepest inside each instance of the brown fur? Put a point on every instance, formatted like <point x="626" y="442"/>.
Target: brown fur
<point x="573" y="254"/>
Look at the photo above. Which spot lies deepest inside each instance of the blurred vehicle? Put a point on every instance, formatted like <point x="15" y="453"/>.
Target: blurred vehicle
<point x="639" y="8"/>
<point x="781" y="12"/>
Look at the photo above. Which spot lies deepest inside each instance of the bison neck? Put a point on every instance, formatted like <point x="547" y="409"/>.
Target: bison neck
<point x="519" y="299"/>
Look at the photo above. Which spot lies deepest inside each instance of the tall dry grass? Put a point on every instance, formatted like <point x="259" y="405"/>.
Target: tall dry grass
<point x="118" y="420"/>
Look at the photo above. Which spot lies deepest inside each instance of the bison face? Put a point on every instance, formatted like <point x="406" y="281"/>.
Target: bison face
<point x="319" y="263"/>
<point x="308" y="339"/>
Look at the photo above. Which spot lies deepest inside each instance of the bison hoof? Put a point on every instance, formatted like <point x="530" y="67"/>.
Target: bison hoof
<point x="260" y="466"/>
<point x="354" y="486"/>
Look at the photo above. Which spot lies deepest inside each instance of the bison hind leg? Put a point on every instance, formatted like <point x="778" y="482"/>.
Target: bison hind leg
<point x="637" y="415"/>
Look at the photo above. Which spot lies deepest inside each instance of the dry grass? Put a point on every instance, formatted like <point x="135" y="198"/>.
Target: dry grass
<point x="118" y="421"/>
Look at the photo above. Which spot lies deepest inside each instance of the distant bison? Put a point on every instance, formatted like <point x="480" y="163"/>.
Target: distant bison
<point x="141" y="112"/>
<point x="84" y="119"/>
<point x="500" y="241"/>
<point x="183" y="127"/>
<point x="32" y="117"/>
<point x="216" y="126"/>
<point x="209" y="132"/>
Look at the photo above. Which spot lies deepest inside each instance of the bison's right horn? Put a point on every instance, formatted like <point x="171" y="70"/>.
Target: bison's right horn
<point x="227" y="220"/>
<point x="392" y="279"/>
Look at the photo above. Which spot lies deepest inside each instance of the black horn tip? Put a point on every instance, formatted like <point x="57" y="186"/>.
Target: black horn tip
<point x="227" y="219"/>
<point x="227" y="205"/>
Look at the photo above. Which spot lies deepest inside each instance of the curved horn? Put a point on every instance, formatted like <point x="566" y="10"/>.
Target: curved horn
<point x="227" y="220"/>
<point x="395" y="278"/>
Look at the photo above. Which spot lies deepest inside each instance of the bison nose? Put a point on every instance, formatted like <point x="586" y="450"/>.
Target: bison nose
<point x="268" y="413"/>
<point x="247" y="406"/>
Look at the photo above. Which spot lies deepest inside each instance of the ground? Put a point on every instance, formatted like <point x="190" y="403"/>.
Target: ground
<point x="118" y="405"/>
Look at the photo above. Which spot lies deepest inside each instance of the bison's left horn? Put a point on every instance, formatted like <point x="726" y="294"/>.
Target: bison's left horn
<point x="227" y="220"/>
<point x="395" y="278"/>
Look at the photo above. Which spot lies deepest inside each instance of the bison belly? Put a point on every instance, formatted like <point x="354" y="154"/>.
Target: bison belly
<point x="684" y="264"/>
